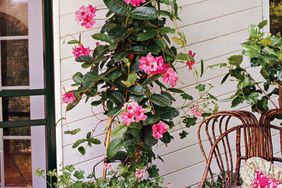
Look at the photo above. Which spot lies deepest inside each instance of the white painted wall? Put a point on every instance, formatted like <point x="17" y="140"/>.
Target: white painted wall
<point x="215" y="29"/>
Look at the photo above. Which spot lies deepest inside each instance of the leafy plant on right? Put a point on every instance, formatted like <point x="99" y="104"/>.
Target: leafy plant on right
<point x="264" y="52"/>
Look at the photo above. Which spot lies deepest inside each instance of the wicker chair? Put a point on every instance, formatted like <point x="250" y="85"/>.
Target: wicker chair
<point x="232" y="137"/>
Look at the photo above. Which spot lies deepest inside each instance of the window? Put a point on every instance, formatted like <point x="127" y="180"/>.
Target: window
<point x="27" y="138"/>
<point x="276" y="16"/>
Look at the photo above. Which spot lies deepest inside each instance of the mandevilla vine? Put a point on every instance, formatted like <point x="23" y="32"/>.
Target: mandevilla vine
<point x="132" y="75"/>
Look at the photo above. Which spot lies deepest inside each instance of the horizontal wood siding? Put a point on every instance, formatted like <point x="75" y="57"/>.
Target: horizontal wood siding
<point x="215" y="29"/>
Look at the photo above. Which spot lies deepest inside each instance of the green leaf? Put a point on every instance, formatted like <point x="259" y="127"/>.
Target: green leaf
<point x="114" y="147"/>
<point x="132" y="77"/>
<point x="81" y="150"/>
<point x="217" y="66"/>
<point x="73" y="132"/>
<point x="116" y="97"/>
<point x="141" y="50"/>
<point x="236" y="101"/>
<point x="78" y="78"/>
<point x="160" y="100"/>
<point x="146" y="35"/>
<point x="225" y="78"/>
<point x="78" y="142"/>
<point x="96" y="103"/>
<point x="119" y="130"/>
<point x="175" y="90"/>
<point x="183" y="134"/>
<point x="72" y="105"/>
<point x="190" y="121"/>
<point x="186" y="96"/>
<point x="202" y="68"/>
<point x="201" y="87"/>
<point x="166" y="30"/>
<point x="93" y="141"/>
<point x="235" y="60"/>
<point x="144" y="13"/>
<point x="152" y="120"/>
<point x="73" y="42"/>
<point x="244" y="83"/>
<point x="262" y="24"/>
<point x="184" y="57"/>
<point x="151" y="79"/>
<point x="118" y="7"/>
<point x="103" y="37"/>
<point x="119" y="56"/>
<point x="136" y="90"/>
<point x="85" y="59"/>
<point x="168" y="112"/>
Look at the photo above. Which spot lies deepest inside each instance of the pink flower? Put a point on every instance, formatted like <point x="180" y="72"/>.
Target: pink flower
<point x="85" y="16"/>
<point x="170" y="76"/>
<point x="153" y="65"/>
<point x="80" y="50"/>
<point x="140" y="173"/>
<point x="190" y="64"/>
<point x="196" y="111"/>
<point x="134" y="113"/>
<point x="69" y="97"/>
<point x="135" y="3"/>
<point x="98" y="44"/>
<point x="262" y="181"/>
<point x="159" y="129"/>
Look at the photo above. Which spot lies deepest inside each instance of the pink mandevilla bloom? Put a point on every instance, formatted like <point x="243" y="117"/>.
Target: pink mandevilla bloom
<point x="80" y="50"/>
<point x="135" y="3"/>
<point x="153" y="65"/>
<point x="140" y="173"/>
<point x="134" y="113"/>
<point x="190" y="64"/>
<point x="170" y="76"/>
<point x="69" y="97"/>
<point x="159" y="129"/>
<point x="196" y="111"/>
<point x="85" y="16"/>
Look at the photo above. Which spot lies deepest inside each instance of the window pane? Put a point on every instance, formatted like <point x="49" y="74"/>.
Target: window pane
<point x="16" y="108"/>
<point x="17" y="163"/>
<point x="14" y="62"/>
<point x="13" y="17"/>
<point x="275" y="16"/>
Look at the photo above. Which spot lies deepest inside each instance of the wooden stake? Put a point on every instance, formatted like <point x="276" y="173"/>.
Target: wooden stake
<point x="107" y="142"/>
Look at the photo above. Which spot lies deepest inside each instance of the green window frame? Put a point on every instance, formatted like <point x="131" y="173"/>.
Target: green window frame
<point x="48" y="91"/>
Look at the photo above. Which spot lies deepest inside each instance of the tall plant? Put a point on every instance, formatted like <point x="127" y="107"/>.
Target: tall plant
<point x="132" y="75"/>
<point x="263" y="51"/>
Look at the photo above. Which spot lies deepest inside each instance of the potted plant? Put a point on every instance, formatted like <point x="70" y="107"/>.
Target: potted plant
<point x="132" y="75"/>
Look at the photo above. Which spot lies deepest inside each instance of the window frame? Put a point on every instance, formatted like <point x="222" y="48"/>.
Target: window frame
<point x="49" y="91"/>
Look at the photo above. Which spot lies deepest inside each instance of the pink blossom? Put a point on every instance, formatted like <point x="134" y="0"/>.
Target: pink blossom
<point x="85" y="16"/>
<point x="153" y="65"/>
<point x="98" y="44"/>
<point x="196" y="111"/>
<point x="262" y="181"/>
<point x="134" y="113"/>
<point x="170" y="76"/>
<point x="135" y="3"/>
<point x="190" y="64"/>
<point x="140" y="173"/>
<point x="159" y="129"/>
<point x="80" y="50"/>
<point x="69" y="97"/>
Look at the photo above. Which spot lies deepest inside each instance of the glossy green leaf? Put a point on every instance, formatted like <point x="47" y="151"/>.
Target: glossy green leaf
<point x="114" y="147"/>
<point x="160" y="100"/>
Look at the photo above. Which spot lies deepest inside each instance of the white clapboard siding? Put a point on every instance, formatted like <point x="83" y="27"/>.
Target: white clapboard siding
<point x="215" y="30"/>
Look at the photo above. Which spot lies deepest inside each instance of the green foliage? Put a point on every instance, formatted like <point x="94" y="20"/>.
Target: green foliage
<point x="264" y="51"/>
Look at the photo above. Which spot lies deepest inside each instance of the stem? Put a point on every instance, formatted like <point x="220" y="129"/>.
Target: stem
<point x="107" y="142"/>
